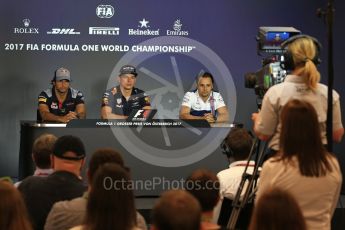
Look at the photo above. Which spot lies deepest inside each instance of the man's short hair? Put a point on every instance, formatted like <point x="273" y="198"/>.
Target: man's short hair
<point x="204" y="186"/>
<point x="239" y="142"/>
<point x="69" y="143"/>
<point x="42" y="149"/>
<point x="176" y="210"/>
<point x="204" y="75"/>
<point x="102" y="156"/>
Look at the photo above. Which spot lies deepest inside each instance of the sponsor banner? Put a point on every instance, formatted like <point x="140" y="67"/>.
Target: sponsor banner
<point x="177" y="29"/>
<point x="98" y="48"/>
<point x="104" y="30"/>
<point x="66" y="31"/>
<point x="143" y="29"/>
<point x="26" y="29"/>
<point x="105" y="11"/>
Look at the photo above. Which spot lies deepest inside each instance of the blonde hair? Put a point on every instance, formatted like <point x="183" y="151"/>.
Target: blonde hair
<point x="303" y="51"/>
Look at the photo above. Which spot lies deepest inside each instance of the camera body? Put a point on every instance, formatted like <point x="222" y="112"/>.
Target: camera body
<point x="269" y="41"/>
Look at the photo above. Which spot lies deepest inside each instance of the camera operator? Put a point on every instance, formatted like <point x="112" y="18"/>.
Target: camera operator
<point x="302" y="83"/>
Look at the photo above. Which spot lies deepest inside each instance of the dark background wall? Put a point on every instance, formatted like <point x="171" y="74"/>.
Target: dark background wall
<point x="226" y="29"/>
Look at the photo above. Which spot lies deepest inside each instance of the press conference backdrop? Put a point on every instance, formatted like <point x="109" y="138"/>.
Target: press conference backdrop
<point x="170" y="42"/>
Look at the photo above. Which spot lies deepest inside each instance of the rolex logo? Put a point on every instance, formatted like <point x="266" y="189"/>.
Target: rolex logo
<point x="26" y="22"/>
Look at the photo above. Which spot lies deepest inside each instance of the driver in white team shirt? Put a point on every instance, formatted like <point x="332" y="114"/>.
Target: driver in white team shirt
<point x="204" y="103"/>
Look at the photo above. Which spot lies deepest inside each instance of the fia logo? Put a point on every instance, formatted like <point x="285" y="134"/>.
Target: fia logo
<point x="62" y="31"/>
<point x="105" y="11"/>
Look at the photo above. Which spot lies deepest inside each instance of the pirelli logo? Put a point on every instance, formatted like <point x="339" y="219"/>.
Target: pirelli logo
<point x="104" y="30"/>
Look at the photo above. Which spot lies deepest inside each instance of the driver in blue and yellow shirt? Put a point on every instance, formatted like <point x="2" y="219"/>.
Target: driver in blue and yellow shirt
<point x="61" y="103"/>
<point x="118" y="102"/>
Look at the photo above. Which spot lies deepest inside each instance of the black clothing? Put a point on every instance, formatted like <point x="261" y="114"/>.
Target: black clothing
<point x="40" y="193"/>
<point x="48" y="97"/>
<point x="120" y="106"/>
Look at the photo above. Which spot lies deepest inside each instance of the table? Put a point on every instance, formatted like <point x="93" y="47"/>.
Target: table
<point x="159" y="153"/>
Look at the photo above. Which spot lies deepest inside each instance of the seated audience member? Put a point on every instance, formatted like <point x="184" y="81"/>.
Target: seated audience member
<point x="236" y="146"/>
<point x="13" y="213"/>
<point x="176" y="210"/>
<point x="277" y="209"/>
<point x="204" y="186"/>
<point x="41" y="151"/>
<point x="70" y="213"/>
<point x="303" y="167"/>
<point x="204" y="103"/>
<point x="110" y="204"/>
<point x="7" y="179"/>
<point x="40" y="193"/>
<point x="61" y="103"/>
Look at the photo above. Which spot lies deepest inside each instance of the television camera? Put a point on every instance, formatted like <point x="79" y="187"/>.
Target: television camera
<point x="269" y="40"/>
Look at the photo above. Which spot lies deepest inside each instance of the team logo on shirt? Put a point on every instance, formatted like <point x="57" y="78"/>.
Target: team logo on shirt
<point x="147" y="99"/>
<point x="105" y="101"/>
<point x="118" y="101"/>
<point x="42" y="99"/>
<point x="54" y="105"/>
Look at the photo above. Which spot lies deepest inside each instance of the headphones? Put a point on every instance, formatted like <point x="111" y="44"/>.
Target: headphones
<point x="237" y="133"/>
<point x="288" y="63"/>
<point x="226" y="149"/>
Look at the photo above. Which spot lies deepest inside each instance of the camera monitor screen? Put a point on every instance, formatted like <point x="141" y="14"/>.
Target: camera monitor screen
<point x="271" y="38"/>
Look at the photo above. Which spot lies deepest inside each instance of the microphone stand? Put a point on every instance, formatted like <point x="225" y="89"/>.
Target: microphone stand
<point x="329" y="16"/>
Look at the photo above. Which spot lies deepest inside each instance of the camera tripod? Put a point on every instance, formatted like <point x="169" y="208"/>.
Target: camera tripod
<point x="249" y="188"/>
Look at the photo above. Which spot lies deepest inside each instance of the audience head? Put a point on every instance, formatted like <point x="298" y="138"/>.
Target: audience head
<point x="277" y="209"/>
<point x="176" y="210"/>
<point x="102" y="156"/>
<point x="300" y="137"/>
<point x="42" y="150"/>
<point x="204" y="186"/>
<point x="111" y="200"/>
<point x="68" y="154"/>
<point x="237" y="144"/>
<point x="13" y="213"/>
<point x="304" y="52"/>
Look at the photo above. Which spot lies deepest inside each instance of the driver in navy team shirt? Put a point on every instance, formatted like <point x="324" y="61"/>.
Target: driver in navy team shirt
<point x="61" y="103"/>
<point x="118" y="102"/>
<point x="204" y="103"/>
